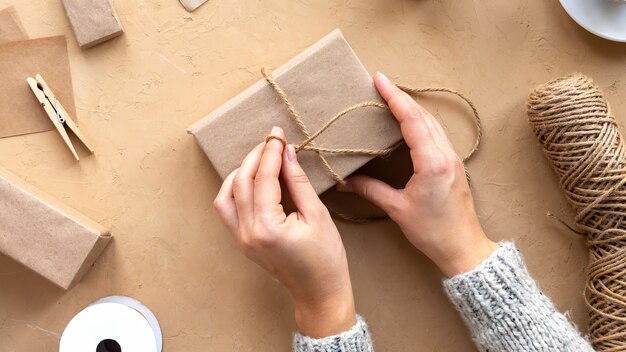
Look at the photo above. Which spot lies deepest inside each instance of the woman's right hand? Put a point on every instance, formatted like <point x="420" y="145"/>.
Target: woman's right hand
<point x="435" y="209"/>
<point x="301" y="249"/>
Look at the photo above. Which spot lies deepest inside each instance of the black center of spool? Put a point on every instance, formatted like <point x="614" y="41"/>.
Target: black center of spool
<point x="108" y="345"/>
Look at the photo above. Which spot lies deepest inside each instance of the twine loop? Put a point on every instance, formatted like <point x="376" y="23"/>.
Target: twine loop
<point x="308" y="143"/>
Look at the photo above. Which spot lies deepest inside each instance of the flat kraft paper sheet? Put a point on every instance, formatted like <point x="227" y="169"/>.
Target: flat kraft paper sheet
<point x="20" y="112"/>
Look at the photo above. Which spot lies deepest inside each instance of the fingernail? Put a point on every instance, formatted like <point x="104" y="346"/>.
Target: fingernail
<point x="274" y="131"/>
<point x="291" y="153"/>
<point x="383" y="77"/>
<point x="344" y="187"/>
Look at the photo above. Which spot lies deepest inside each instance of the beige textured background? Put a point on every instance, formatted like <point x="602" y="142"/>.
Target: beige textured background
<point x="151" y="184"/>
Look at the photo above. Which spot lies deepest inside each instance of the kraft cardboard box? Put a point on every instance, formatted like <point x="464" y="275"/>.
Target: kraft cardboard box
<point x="320" y="82"/>
<point x="93" y="21"/>
<point x="45" y="235"/>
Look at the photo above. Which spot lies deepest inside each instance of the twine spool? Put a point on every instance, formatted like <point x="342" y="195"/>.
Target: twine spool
<point x="579" y="136"/>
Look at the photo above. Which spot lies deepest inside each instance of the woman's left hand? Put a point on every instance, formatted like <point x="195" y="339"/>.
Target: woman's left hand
<point x="303" y="250"/>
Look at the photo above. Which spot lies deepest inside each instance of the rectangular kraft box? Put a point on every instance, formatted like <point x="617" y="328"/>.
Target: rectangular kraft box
<point x="320" y="82"/>
<point x="45" y="235"/>
<point x="93" y="21"/>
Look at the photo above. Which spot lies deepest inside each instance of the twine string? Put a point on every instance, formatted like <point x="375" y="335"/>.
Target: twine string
<point x="308" y="143"/>
<point x="579" y="135"/>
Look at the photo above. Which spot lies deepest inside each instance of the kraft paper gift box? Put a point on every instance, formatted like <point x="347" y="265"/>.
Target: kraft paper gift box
<point x="93" y="21"/>
<point x="320" y="82"/>
<point x="45" y="235"/>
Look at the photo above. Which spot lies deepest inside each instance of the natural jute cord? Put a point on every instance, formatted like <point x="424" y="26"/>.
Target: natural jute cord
<point x="580" y="137"/>
<point x="308" y="144"/>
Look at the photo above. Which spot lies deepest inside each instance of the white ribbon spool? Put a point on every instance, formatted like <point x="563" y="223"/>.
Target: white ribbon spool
<point x="113" y="324"/>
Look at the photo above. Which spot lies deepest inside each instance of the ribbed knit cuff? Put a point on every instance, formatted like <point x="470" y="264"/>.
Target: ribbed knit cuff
<point x="506" y="311"/>
<point x="357" y="339"/>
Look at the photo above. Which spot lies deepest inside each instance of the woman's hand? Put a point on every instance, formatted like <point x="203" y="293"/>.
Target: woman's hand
<point x="435" y="209"/>
<point x="303" y="250"/>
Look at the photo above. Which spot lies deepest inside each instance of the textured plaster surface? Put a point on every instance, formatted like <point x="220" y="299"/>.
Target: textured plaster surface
<point x="150" y="183"/>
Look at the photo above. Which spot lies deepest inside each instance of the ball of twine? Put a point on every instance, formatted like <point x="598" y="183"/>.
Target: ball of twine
<point x="579" y="136"/>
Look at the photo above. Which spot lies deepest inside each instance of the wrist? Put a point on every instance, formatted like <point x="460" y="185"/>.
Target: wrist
<point x="466" y="258"/>
<point x="327" y="316"/>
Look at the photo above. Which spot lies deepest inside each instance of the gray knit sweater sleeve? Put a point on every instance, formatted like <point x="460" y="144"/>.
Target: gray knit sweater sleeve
<point x="500" y="303"/>
<point x="357" y="339"/>
<point x="506" y="311"/>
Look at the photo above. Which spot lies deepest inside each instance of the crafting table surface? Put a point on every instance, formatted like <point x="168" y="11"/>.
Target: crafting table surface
<point x="151" y="184"/>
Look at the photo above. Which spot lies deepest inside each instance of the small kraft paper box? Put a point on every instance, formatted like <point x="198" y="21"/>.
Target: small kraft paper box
<point x="45" y="235"/>
<point x="93" y="21"/>
<point x="320" y="82"/>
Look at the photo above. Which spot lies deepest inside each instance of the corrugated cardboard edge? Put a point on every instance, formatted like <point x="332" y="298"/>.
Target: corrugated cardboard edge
<point x="262" y="83"/>
<point x="103" y="235"/>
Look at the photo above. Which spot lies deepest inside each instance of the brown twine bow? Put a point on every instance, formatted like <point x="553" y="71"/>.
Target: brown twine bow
<point x="308" y="144"/>
<point x="579" y="135"/>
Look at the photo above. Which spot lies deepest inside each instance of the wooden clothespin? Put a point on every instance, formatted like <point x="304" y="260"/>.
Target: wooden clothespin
<point x="57" y="114"/>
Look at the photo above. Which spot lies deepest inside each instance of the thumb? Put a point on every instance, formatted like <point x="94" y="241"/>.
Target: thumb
<point x="300" y="189"/>
<point x="376" y="191"/>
